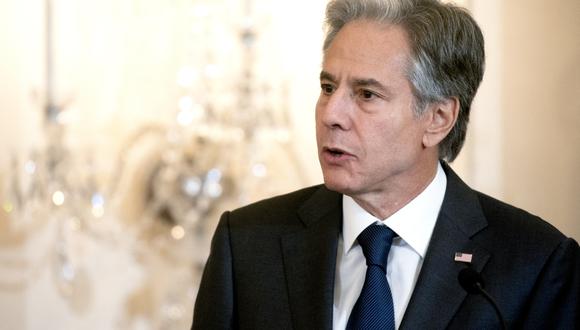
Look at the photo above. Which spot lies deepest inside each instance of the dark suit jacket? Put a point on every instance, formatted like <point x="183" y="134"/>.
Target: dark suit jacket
<point x="272" y="266"/>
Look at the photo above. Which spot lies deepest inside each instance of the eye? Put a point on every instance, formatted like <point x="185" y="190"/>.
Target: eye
<point x="366" y="94"/>
<point x="327" y="88"/>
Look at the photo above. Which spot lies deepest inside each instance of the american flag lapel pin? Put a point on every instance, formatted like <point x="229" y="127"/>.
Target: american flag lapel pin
<point x="463" y="257"/>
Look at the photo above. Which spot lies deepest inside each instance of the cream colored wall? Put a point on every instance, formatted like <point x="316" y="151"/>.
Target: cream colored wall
<point x="541" y="106"/>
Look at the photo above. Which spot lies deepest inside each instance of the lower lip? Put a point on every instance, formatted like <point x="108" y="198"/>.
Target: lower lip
<point x="335" y="159"/>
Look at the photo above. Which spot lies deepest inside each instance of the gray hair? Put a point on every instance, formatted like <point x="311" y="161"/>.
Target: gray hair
<point x="447" y="52"/>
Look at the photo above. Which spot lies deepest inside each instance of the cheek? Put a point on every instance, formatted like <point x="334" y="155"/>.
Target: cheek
<point x="387" y="139"/>
<point x="381" y="134"/>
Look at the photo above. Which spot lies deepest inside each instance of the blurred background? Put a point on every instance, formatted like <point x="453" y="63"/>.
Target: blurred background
<point x="127" y="127"/>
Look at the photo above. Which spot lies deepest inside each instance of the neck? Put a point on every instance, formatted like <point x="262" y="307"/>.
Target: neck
<point x="382" y="203"/>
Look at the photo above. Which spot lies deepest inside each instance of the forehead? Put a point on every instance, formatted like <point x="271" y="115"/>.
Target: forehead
<point x="363" y="43"/>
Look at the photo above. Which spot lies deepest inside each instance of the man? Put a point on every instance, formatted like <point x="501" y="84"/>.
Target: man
<point x="397" y="81"/>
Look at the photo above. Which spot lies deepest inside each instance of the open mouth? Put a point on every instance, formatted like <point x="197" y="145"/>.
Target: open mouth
<point x="336" y="152"/>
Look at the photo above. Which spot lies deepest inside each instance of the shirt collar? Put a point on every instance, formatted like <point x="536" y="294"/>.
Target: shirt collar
<point x="413" y="223"/>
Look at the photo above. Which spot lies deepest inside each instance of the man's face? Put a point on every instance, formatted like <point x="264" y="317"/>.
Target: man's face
<point x="369" y="140"/>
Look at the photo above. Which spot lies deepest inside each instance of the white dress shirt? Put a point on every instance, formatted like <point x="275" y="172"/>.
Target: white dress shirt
<point x="414" y="225"/>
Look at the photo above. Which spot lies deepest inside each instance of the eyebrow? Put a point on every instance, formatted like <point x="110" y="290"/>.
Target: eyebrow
<point x="327" y="76"/>
<point x="359" y="82"/>
<point x="369" y="82"/>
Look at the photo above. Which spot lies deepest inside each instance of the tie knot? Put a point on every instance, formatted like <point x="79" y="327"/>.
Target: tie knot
<point x="376" y="242"/>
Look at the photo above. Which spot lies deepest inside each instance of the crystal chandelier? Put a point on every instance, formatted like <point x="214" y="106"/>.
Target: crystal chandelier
<point x="230" y="131"/>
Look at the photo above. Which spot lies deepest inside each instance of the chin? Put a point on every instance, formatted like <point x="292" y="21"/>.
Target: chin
<point x="338" y="179"/>
<point x="336" y="184"/>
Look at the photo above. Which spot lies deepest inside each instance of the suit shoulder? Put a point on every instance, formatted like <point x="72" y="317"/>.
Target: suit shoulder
<point x="293" y="198"/>
<point x="520" y="223"/>
<point x="277" y="206"/>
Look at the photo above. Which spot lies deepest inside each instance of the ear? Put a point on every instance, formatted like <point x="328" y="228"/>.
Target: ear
<point x="441" y="117"/>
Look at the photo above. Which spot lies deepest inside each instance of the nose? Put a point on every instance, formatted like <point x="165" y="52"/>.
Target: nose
<point x="333" y="111"/>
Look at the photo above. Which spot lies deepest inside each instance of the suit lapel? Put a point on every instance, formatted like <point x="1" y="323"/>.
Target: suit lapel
<point x="309" y="261"/>
<point x="438" y="295"/>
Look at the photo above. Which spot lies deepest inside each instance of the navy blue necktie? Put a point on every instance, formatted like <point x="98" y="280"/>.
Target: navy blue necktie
<point x="374" y="307"/>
